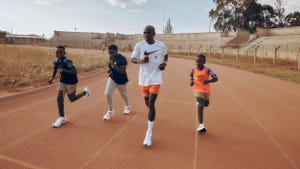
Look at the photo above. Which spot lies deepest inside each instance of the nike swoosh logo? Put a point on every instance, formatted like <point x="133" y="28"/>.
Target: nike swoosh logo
<point x="148" y="53"/>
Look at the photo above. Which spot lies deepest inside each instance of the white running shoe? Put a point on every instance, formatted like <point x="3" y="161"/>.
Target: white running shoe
<point x="147" y="141"/>
<point x="126" y="110"/>
<point x="108" y="114"/>
<point x="201" y="128"/>
<point x="60" y="121"/>
<point x="87" y="93"/>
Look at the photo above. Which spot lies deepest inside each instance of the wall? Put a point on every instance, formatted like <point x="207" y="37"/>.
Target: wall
<point x="191" y="43"/>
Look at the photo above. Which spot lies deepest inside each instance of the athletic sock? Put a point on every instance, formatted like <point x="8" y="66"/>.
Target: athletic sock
<point x="150" y="126"/>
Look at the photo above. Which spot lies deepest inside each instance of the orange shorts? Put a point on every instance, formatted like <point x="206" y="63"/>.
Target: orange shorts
<point x="154" y="89"/>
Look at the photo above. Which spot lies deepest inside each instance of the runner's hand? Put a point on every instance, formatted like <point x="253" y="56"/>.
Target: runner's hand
<point x="162" y="66"/>
<point x="50" y="80"/>
<point x="206" y="81"/>
<point x="192" y="83"/>
<point x="145" y="59"/>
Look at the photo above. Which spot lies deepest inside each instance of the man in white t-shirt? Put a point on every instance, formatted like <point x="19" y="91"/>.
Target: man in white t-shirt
<point x="152" y="56"/>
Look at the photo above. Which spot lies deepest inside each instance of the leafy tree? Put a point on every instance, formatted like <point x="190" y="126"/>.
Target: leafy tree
<point x="252" y="16"/>
<point x="231" y="15"/>
<point x="293" y="19"/>
<point x="268" y="14"/>
<point x="279" y="14"/>
<point x="168" y="29"/>
<point x="3" y="33"/>
<point x="227" y="14"/>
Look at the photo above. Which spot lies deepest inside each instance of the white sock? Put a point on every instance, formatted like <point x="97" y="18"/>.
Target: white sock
<point x="150" y="126"/>
<point x="201" y="125"/>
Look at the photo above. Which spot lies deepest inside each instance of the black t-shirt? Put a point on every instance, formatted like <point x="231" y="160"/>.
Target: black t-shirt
<point x="119" y="78"/>
<point x="66" y="63"/>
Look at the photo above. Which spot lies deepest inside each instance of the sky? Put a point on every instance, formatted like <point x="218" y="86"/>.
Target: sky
<point x="42" y="17"/>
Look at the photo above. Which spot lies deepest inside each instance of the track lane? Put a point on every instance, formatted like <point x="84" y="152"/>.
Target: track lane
<point x="246" y="126"/>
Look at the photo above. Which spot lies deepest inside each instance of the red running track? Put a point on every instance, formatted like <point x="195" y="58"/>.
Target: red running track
<point x="252" y="122"/>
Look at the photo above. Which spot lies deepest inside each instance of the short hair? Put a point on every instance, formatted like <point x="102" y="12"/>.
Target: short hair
<point x="150" y="27"/>
<point x="113" y="47"/>
<point x="202" y="56"/>
<point x="61" y="47"/>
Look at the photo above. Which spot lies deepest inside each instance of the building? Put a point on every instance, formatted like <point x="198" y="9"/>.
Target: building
<point x="23" y="39"/>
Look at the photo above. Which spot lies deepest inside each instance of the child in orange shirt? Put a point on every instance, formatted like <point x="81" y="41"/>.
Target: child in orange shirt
<point x="200" y="79"/>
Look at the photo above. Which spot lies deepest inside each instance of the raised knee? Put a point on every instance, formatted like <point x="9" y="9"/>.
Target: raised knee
<point x="72" y="99"/>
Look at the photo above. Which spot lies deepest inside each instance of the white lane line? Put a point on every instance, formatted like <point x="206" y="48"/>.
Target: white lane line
<point x="196" y="142"/>
<point x="262" y="127"/>
<point x="42" y="130"/>
<point x="19" y="162"/>
<point x="85" y="165"/>
<point x="36" y="103"/>
<point x="14" y="110"/>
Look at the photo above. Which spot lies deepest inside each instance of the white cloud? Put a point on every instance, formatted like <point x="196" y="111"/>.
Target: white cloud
<point x="45" y="2"/>
<point x="134" y="11"/>
<point x="289" y="5"/>
<point x="124" y="3"/>
<point x="292" y="6"/>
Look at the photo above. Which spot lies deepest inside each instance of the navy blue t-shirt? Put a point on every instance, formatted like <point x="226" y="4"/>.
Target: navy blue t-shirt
<point x="66" y="63"/>
<point x="119" y="78"/>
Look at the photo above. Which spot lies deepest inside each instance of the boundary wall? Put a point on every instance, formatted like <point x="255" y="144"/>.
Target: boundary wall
<point x="281" y="43"/>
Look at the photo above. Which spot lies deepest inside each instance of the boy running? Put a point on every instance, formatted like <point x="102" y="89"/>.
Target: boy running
<point x="117" y="79"/>
<point x="200" y="80"/>
<point x="67" y="83"/>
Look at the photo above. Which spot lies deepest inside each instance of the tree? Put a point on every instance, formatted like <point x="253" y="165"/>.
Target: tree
<point x="252" y="16"/>
<point x="168" y="29"/>
<point x="231" y="15"/>
<point x="279" y="14"/>
<point x="268" y="16"/>
<point x="227" y="14"/>
<point x="293" y="19"/>
<point x="3" y="33"/>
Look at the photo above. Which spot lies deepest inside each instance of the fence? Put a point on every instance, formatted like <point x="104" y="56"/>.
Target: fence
<point x="274" y="52"/>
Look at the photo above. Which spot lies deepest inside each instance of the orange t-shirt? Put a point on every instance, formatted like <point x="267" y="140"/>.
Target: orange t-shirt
<point x="199" y="76"/>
